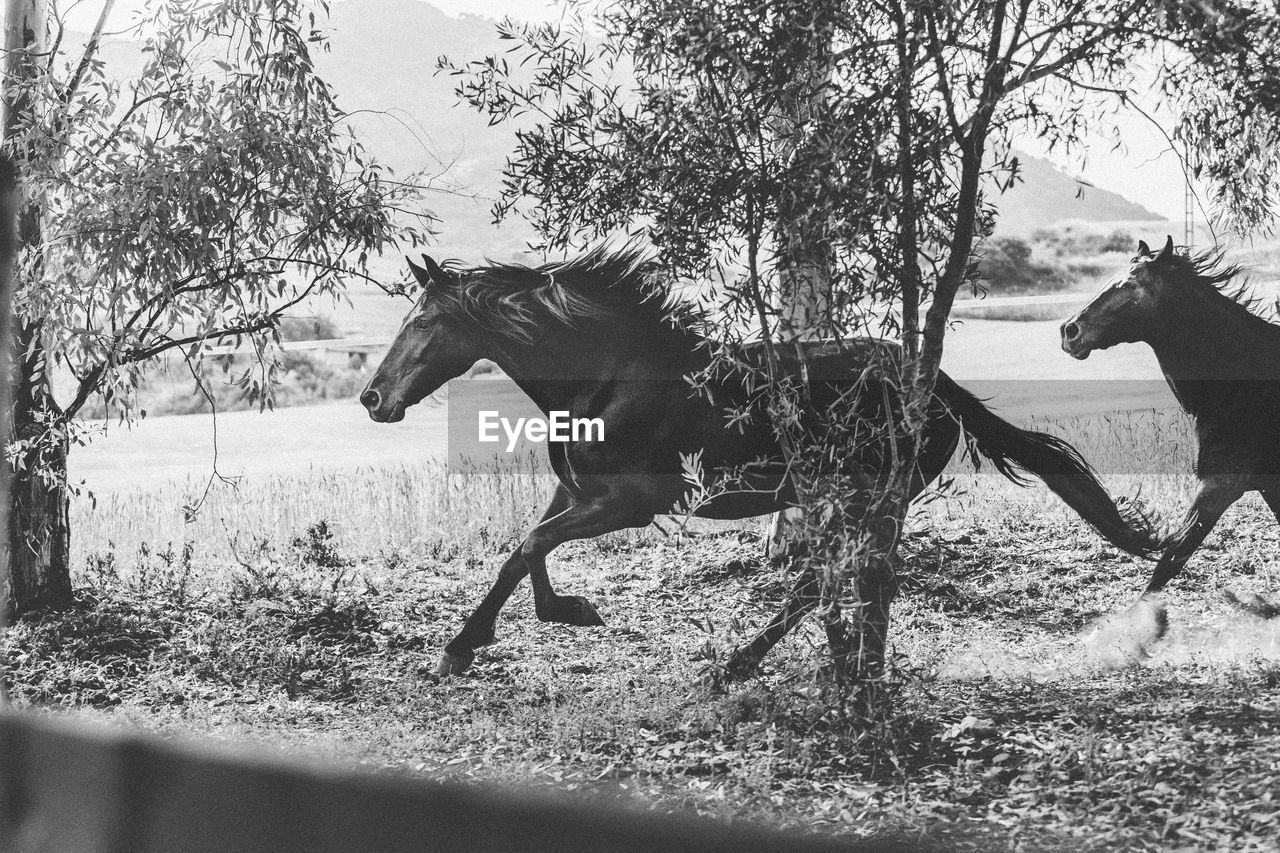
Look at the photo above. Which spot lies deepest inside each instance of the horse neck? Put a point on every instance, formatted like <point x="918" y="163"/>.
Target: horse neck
<point x="561" y="365"/>
<point x="1205" y="348"/>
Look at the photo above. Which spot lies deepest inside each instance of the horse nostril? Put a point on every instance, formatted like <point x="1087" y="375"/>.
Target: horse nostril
<point x="370" y="399"/>
<point x="1071" y="331"/>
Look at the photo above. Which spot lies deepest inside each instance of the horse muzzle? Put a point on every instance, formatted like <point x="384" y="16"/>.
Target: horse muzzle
<point x="380" y="409"/>
<point x="1074" y="341"/>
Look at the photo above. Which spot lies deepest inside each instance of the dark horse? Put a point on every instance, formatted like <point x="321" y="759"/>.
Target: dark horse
<point x="599" y="337"/>
<point x="1222" y="361"/>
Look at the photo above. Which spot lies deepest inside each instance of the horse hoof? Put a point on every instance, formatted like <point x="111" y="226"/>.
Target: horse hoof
<point x="571" y="610"/>
<point x="451" y="664"/>
<point x="740" y="667"/>
<point x="1124" y="639"/>
<point x="588" y="617"/>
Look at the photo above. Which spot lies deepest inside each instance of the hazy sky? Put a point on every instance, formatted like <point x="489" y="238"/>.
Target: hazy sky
<point x="1145" y="171"/>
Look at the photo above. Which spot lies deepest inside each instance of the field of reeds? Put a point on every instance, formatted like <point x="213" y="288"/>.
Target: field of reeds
<point x="306" y="613"/>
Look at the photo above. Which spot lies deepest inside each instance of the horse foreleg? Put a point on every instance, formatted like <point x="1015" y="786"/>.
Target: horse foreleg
<point x="1215" y="496"/>
<point x="479" y="628"/>
<point x="1125" y="638"/>
<point x="803" y="598"/>
<point x="1255" y="603"/>
<point x="595" y="517"/>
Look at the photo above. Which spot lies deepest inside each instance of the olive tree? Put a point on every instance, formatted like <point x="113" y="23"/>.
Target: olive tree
<point x="192" y="199"/>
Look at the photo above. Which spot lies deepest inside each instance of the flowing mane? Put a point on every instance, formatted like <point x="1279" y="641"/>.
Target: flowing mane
<point x="1209" y="276"/>
<point x="613" y="290"/>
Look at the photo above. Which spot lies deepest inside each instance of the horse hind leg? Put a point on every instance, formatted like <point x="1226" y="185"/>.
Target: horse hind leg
<point x="802" y="599"/>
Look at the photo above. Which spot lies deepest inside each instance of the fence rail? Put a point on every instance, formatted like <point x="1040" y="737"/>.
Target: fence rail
<point x="67" y="788"/>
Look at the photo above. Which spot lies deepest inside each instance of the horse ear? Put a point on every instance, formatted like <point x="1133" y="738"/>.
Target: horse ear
<point x="1167" y="252"/>
<point x="419" y="274"/>
<point x="1143" y="249"/>
<point x="429" y="275"/>
<point x="438" y="275"/>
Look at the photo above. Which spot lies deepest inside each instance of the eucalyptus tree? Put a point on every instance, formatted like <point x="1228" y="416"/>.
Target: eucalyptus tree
<point x="859" y="146"/>
<point x="192" y="193"/>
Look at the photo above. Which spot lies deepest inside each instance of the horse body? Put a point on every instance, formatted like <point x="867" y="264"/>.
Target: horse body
<point x="653" y="417"/>
<point x="596" y="339"/>
<point x="1222" y="363"/>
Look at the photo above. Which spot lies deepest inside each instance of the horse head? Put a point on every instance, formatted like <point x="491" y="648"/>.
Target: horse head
<point x="1128" y="309"/>
<point x="433" y="346"/>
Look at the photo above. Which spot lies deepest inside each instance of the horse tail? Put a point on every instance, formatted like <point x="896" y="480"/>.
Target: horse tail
<point x="1013" y="451"/>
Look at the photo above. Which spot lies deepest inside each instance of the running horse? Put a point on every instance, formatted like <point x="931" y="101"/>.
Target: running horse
<point x="601" y="337"/>
<point x="1222" y="361"/>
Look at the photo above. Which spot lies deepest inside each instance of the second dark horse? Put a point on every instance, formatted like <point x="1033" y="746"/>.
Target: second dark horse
<point x="1222" y="362"/>
<point x="595" y="337"/>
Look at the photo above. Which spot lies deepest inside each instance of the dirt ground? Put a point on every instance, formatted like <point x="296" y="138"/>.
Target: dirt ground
<point x="1008" y="731"/>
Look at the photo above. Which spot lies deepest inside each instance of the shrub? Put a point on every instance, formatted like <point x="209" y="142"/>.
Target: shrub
<point x="1006" y="266"/>
<point x="306" y="377"/>
<point x="1075" y="239"/>
<point x="317" y="327"/>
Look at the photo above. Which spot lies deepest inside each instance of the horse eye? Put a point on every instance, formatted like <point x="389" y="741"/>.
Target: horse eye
<point x="422" y="321"/>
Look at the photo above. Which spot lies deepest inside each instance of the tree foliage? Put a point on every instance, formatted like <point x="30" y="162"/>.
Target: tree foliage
<point x="200" y="198"/>
<point x="195" y="199"/>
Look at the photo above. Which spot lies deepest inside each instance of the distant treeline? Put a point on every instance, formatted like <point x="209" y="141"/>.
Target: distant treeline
<point x="1057" y="259"/>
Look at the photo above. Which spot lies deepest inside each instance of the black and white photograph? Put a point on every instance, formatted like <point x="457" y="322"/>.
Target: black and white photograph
<point x="639" y="425"/>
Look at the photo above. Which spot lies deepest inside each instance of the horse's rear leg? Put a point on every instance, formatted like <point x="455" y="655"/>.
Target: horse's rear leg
<point x="479" y="628"/>
<point x="803" y="598"/>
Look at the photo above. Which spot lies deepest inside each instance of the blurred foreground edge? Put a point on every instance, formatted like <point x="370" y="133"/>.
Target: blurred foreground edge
<point x="73" y="788"/>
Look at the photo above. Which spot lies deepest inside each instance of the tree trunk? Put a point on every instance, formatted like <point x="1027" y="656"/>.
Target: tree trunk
<point x="8" y="250"/>
<point x="858" y="643"/>
<point x="39" y="541"/>
<point x="39" y="527"/>
<point x="804" y="263"/>
<point x="38" y="566"/>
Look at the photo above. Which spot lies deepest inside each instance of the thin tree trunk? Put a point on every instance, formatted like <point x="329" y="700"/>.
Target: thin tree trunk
<point x="38" y="566"/>
<point x="38" y="523"/>
<point x="862" y="662"/>
<point x="876" y="582"/>
<point x="8" y="249"/>
<point x="804" y="261"/>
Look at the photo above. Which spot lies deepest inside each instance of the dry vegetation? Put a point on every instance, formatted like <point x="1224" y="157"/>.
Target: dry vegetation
<point x="1079" y="258"/>
<point x="260" y="622"/>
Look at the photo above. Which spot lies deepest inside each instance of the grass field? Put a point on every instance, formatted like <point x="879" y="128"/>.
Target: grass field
<point x="305" y="611"/>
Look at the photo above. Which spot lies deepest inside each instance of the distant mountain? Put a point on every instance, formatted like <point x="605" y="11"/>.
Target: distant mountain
<point x="383" y="58"/>
<point x="382" y="66"/>
<point x="1045" y="195"/>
